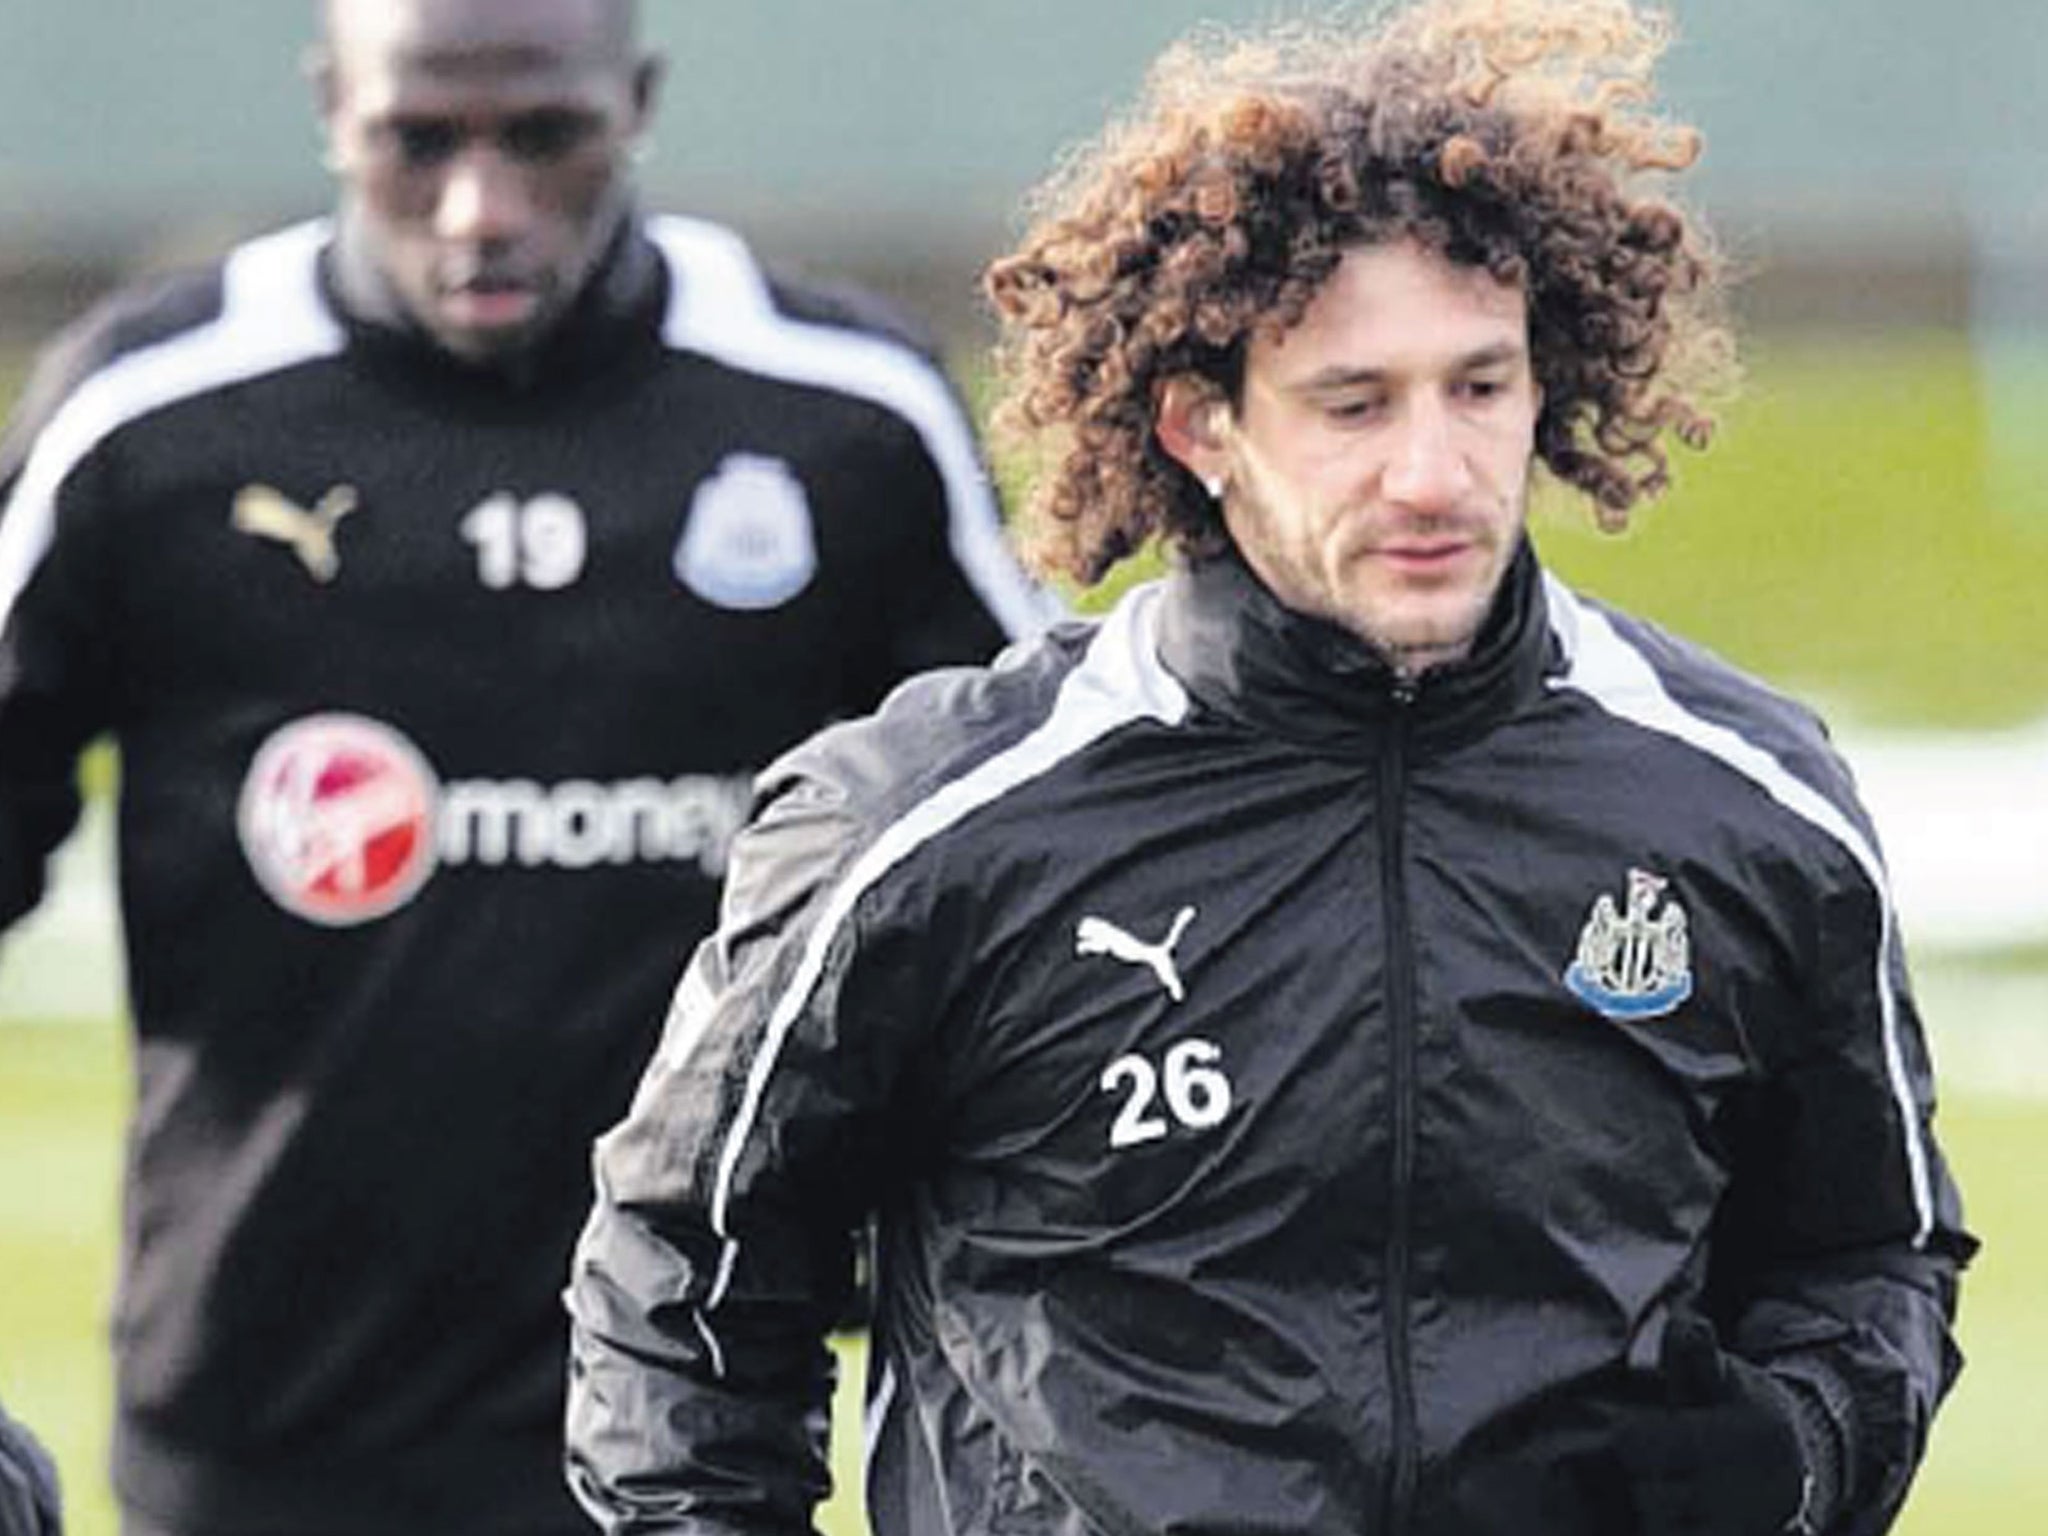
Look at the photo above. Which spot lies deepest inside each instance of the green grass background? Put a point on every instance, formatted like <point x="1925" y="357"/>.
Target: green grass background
<point x="1850" y="536"/>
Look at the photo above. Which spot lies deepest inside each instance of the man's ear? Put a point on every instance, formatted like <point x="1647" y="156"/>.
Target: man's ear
<point x="1193" y="423"/>
<point x="648" y="76"/>
<point x="317" y="65"/>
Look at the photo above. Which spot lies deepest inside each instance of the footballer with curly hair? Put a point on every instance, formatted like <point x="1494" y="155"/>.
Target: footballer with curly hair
<point x="1362" y="1039"/>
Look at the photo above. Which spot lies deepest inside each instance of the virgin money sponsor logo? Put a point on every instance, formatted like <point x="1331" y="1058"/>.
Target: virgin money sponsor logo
<point x="579" y="824"/>
<point x="337" y="819"/>
<point x="343" y="820"/>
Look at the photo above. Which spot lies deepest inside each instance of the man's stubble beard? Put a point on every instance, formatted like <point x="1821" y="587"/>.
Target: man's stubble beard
<point x="1410" y="658"/>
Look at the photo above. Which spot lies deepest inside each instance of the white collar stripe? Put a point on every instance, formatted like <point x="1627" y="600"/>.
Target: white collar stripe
<point x="1119" y="681"/>
<point x="719" y="305"/>
<point x="1616" y="676"/>
<point x="272" y="317"/>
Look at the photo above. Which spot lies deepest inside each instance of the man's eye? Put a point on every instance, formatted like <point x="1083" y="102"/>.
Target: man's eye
<point x="545" y="135"/>
<point x="424" y="143"/>
<point x="1356" y="409"/>
<point x="1481" y="389"/>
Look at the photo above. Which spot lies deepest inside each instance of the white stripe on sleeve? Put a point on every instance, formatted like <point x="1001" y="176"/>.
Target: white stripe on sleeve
<point x="1120" y="680"/>
<point x="720" y="305"/>
<point x="272" y="317"/>
<point x="1616" y="676"/>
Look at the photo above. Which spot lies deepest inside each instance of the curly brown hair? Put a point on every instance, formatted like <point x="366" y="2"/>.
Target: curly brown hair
<point x="1509" y="135"/>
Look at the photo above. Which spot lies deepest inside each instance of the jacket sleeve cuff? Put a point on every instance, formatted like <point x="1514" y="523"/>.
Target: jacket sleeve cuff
<point x="1815" y="1405"/>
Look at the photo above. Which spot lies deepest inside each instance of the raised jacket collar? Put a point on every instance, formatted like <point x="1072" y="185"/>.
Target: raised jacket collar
<point x="618" y="311"/>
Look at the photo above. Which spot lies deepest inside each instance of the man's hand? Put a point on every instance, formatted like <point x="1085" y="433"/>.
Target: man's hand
<point x="1724" y="1455"/>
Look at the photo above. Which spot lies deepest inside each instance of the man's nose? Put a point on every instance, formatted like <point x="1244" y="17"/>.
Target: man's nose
<point x="483" y="197"/>
<point x="1427" y="468"/>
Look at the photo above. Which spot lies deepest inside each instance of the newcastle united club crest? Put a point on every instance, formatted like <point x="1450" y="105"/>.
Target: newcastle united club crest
<point x="749" y="542"/>
<point x="1634" y="963"/>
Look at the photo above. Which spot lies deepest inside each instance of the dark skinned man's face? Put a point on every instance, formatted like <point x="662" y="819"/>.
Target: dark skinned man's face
<point x="483" y="148"/>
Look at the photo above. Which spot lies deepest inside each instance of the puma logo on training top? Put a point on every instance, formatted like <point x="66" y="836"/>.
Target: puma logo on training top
<point x="1098" y="936"/>
<point x="270" y="514"/>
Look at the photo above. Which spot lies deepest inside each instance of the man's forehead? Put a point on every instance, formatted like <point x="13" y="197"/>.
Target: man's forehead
<point x="465" y="38"/>
<point x="1397" y="305"/>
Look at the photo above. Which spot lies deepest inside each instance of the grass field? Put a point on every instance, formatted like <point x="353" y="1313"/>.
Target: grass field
<point x="1844" y="539"/>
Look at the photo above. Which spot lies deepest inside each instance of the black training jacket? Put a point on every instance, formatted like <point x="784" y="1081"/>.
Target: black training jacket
<point x="30" y="1502"/>
<point x="437" y="694"/>
<point x="1292" y="1104"/>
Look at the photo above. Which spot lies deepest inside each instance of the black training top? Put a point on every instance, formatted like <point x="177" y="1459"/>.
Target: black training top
<point x="437" y="694"/>
<point x="1292" y="1099"/>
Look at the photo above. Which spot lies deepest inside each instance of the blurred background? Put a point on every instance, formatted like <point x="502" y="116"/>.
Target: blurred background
<point x="1870" y="530"/>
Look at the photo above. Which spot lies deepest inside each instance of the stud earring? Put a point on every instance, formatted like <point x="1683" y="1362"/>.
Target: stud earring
<point x="1213" y="484"/>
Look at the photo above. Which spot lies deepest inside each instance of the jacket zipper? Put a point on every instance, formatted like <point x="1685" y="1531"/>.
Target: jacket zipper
<point x="1401" y="1049"/>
